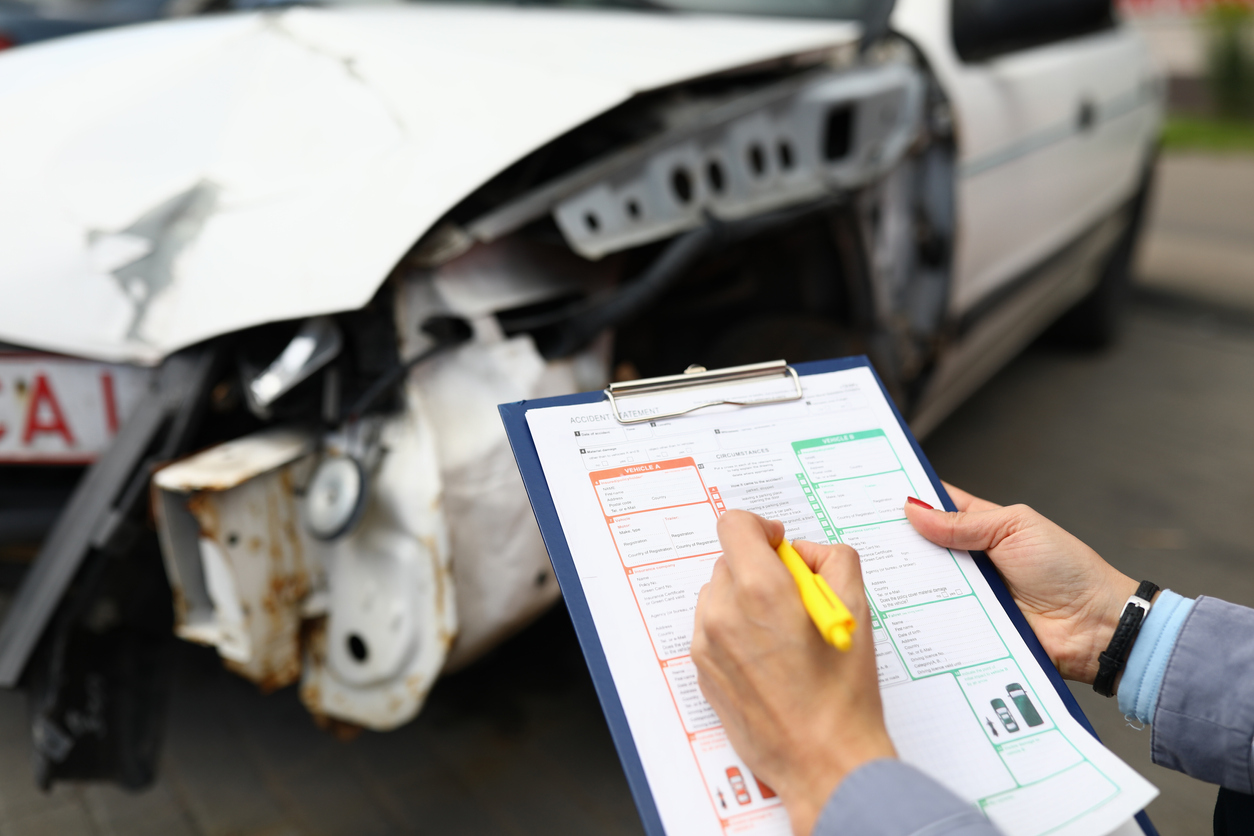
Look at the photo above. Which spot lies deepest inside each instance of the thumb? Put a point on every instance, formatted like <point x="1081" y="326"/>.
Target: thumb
<point x="967" y="530"/>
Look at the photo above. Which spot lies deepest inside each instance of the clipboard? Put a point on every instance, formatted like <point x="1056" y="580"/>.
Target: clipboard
<point x="514" y="417"/>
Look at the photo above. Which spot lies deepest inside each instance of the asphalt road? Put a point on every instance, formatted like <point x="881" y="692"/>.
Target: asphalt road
<point x="1145" y="452"/>
<point x="1200" y="239"/>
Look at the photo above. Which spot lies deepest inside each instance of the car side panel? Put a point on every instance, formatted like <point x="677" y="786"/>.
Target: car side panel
<point x="1033" y="176"/>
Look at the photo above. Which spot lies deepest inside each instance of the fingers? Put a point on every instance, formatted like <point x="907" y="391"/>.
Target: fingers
<point x="966" y="502"/>
<point x="774" y="532"/>
<point x="969" y="530"/>
<point x="718" y="585"/>
<point x="745" y="528"/>
<point x="749" y="544"/>
<point x="838" y="564"/>
<point x="715" y="602"/>
<point x="700" y="647"/>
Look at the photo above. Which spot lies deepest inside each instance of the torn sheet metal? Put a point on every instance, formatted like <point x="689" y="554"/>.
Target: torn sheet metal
<point x="239" y="563"/>
<point x="231" y="464"/>
<point x="290" y="158"/>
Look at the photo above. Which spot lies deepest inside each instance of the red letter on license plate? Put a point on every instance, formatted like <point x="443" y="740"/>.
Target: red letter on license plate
<point x="41" y="393"/>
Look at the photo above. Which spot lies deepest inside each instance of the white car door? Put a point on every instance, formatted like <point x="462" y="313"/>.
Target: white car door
<point x="1055" y="108"/>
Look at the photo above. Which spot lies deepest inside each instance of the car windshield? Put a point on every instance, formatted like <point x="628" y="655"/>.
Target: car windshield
<point x="839" y="9"/>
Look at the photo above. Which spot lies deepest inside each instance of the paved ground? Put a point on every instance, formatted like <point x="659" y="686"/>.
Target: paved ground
<point x="516" y="745"/>
<point x="1200" y="240"/>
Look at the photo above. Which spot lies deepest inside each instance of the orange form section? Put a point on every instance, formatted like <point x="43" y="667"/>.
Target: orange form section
<point x="663" y="520"/>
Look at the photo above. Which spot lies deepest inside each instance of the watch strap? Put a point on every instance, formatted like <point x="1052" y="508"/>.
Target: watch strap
<point x="1113" y="658"/>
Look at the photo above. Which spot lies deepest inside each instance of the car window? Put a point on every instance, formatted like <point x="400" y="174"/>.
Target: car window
<point x="983" y="29"/>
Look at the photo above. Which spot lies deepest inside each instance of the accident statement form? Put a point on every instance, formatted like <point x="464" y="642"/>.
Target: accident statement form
<point x="964" y="698"/>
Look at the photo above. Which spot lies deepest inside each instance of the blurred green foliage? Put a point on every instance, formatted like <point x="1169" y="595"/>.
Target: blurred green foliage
<point x="1230" y="58"/>
<point x="1188" y="133"/>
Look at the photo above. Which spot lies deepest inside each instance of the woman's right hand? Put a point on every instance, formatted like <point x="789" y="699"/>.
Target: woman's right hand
<point x="1071" y="597"/>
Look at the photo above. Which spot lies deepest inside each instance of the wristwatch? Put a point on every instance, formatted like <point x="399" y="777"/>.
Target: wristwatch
<point x="1116" y="653"/>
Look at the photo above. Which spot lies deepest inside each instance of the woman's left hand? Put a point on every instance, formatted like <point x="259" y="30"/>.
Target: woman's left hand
<point x="802" y="714"/>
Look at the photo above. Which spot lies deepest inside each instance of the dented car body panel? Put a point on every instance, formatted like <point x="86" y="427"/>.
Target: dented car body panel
<point x="365" y="228"/>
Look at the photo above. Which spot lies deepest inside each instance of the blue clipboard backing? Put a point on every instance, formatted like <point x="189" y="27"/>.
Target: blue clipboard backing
<point x="514" y="416"/>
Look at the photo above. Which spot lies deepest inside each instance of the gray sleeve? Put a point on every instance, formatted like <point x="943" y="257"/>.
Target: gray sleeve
<point x="889" y="798"/>
<point x="1204" y="723"/>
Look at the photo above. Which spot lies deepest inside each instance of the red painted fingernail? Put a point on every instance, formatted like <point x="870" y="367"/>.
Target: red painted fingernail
<point x="919" y="502"/>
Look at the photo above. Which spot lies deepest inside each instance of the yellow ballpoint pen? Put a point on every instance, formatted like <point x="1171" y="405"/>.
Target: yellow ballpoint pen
<point x="829" y="613"/>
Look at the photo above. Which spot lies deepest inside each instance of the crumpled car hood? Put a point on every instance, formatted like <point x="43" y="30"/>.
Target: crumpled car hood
<point x="170" y="182"/>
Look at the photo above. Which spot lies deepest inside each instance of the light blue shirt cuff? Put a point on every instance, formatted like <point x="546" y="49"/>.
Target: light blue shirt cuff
<point x="1143" y="674"/>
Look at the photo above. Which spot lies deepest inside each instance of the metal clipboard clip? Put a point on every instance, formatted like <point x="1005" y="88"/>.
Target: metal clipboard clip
<point x="695" y="376"/>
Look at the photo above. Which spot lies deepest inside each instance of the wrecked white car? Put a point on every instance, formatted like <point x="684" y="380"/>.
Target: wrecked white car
<point x="266" y="276"/>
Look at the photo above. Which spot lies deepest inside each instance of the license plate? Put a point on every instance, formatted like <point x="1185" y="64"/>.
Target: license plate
<point x="58" y="410"/>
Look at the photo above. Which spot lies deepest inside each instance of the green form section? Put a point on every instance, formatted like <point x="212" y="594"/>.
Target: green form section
<point x="820" y="513"/>
<point x="834" y="534"/>
<point x="985" y="803"/>
<point x="798" y="446"/>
